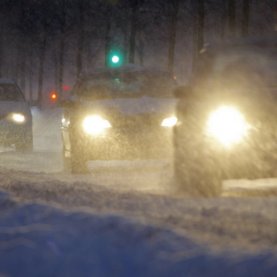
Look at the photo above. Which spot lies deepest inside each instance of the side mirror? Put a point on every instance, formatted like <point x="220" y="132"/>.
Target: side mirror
<point x="183" y="91"/>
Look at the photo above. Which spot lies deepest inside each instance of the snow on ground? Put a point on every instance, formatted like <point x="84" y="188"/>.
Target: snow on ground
<point x="123" y="220"/>
<point x="60" y="227"/>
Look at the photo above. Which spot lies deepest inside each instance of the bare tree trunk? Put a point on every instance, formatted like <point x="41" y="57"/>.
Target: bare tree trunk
<point x="1" y="57"/>
<point x="107" y="40"/>
<point x="2" y="38"/>
<point x="42" y="51"/>
<point x="223" y="20"/>
<point x="22" y="66"/>
<point x="56" y="67"/>
<point x="30" y="73"/>
<point x="61" y="48"/>
<point x="80" y="50"/>
<point x="231" y="18"/>
<point x="125" y="31"/>
<point x="61" y="63"/>
<point x="199" y="24"/>
<point x="133" y="32"/>
<point x="140" y="47"/>
<point x="19" y="53"/>
<point x="245" y="18"/>
<point x="172" y="34"/>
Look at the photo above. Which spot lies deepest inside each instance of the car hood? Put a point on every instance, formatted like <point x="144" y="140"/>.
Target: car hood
<point x="133" y="106"/>
<point x="7" y="107"/>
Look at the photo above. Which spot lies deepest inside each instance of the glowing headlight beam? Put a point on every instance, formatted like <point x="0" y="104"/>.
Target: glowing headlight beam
<point x="227" y="125"/>
<point x="18" y="117"/>
<point x="169" y="122"/>
<point x="95" y="124"/>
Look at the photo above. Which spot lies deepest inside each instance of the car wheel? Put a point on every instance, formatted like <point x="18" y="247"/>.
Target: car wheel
<point x="77" y="162"/>
<point x="196" y="173"/>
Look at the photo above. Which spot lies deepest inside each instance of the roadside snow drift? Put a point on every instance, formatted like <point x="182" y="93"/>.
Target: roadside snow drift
<point x="39" y="240"/>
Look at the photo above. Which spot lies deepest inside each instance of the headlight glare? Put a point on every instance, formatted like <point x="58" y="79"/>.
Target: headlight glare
<point x="95" y="124"/>
<point x="227" y="125"/>
<point x="169" y="122"/>
<point x="18" y="118"/>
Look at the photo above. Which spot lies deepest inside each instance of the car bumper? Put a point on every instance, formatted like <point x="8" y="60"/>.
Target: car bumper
<point x="253" y="158"/>
<point x="244" y="160"/>
<point x="11" y="133"/>
<point x="120" y="143"/>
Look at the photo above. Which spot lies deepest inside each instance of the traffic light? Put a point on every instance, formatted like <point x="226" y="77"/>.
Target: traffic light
<point x="115" y="58"/>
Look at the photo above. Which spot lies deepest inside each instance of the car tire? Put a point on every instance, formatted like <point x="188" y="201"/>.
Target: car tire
<point x="195" y="172"/>
<point x="76" y="163"/>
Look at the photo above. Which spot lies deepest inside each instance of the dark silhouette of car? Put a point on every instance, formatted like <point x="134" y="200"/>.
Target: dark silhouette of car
<point x="227" y="127"/>
<point x="121" y="113"/>
<point x="15" y="117"/>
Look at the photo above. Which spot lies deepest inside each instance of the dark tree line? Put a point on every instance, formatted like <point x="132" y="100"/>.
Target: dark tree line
<point x="45" y="43"/>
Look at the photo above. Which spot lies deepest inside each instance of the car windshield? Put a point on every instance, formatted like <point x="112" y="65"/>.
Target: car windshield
<point x="9" y="92"/>
<point x="128" y="85"/>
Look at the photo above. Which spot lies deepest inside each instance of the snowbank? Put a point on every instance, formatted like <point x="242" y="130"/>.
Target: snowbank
<point x="40" y="240"/>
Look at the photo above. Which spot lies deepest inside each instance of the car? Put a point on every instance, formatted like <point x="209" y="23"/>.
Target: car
<point x="118" y="113"/>
<point x="15" y="117"/>
<point x="227" y="127"/>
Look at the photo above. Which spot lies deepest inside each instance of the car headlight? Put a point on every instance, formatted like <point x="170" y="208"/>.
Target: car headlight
<point x="17" y="118"/>
<point x="227" y="125"/>
<point x="169" y="122"/>
<point x="95" y="124"/>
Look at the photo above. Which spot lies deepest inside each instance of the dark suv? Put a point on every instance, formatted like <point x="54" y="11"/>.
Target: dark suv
<point x="122" y="113"/>
<point x="227" y="127"/>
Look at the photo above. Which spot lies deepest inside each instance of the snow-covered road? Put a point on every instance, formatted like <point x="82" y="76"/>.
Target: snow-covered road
<point x="124" y="220"/>
<point x="145" y="175"/>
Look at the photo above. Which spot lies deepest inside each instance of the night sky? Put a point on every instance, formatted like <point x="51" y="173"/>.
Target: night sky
<point x="47" y="44"/>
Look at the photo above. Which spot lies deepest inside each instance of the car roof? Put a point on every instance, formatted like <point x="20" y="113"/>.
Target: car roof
<point x="126" y="69"/>
<point x="243" y="43"/>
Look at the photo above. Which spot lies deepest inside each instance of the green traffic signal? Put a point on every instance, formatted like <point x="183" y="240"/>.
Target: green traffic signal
<point x="114" y="59"/>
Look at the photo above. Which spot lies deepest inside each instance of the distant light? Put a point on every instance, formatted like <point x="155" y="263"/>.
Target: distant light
<point x="53" y="96"/>
<point x="115" y="59"/>
<point x="66" y="88"/>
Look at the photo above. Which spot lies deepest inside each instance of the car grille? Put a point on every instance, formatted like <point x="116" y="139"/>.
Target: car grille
<point x="136" y="121"/>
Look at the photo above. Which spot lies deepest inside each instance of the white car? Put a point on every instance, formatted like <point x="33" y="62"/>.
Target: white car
<point x="15" y="117"/>
<point x="123" y="113"/>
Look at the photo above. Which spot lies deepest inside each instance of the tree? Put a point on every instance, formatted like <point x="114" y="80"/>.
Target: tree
<point x="172" y="33"/>
<point x="81" y="35"/>
<point x="245" y="17"/>
<point x="231" y="17"/>
<point x="134" y="4"/>
<point x="198" y="30"/>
